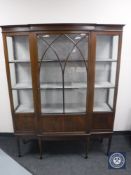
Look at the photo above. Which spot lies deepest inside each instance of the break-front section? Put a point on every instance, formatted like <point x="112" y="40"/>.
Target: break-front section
<point x="20" y="81"/>
<point x="62" y="78"/>
<point x="106" y="68"/>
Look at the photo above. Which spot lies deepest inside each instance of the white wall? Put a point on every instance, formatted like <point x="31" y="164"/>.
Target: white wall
<point x="70" y="11"/>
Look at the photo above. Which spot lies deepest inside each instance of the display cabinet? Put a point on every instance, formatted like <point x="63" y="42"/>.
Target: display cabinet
<point x="63" y="80"/>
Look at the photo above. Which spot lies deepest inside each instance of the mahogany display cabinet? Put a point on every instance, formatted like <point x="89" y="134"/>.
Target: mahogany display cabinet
<point x="63" y="80"/>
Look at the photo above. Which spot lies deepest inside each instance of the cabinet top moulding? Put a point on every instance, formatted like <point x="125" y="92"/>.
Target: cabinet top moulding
<point x="62" y="27"/>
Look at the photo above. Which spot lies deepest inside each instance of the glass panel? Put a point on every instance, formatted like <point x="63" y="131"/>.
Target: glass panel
<point x="76" y="75"/>
<point x="18" y="48"/>
<point x="61" y="47"/>
<point x="75" y="100"/>
<point x="50" y="74"/>
<point x="23" y="101"/>
<point x="103" y="99"/>
<point x="20" y="75"/>
<point x="20" y="72"/>
<point x="106" y="48"/>
<point x="51" y="101"/>
<point x="75" y="87"/>
<point x="63" y="72"/>
<point x="105" y="72"/>
<point x="45" y="50"/>
<point x="51" y="88"/>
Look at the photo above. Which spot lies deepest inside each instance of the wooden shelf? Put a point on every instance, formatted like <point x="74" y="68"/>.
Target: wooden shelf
<point x="22" y="86"/>
<point x="75" y="85"/>
<point x="19" y="61"/>
<point x="99" y="85"/>
<point x="67" y="86"/>
<point x="104" y="85"/>
<point x="106" y="60"/>
<point x="63" y="60"/>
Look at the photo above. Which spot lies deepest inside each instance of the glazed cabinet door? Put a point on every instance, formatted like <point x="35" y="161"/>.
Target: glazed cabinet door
<point x="106" y="72"/>
<point x="63" y="71"/>
<point x="20" y="72"/>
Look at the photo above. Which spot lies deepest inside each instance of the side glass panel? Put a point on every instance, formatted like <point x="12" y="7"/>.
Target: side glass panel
<point x="20" y="72"/>
<point x="63" y="72"/>
<point x="105" y="71"/>
<point x="18" y="48"/>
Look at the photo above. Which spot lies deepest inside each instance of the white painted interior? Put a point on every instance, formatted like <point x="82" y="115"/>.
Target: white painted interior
<point x="70" y="11"/>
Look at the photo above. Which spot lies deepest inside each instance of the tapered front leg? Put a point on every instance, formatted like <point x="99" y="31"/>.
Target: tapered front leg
<point x="40" y="147"/>
<point x="87" y="143"/>
<point x="109" y="145"/>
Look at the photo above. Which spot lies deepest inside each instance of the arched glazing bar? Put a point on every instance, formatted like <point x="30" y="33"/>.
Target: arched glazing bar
<point x="63" y="67"/>
<point x="50" y="46"/>
<point x="75" y="45"/>
<point x="74" y="97"/>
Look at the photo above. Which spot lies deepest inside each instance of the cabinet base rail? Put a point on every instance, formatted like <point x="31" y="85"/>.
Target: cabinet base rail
<point x="49" y="137"/>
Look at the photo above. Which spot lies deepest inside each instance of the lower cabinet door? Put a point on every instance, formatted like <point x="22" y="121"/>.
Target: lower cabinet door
<point x="102" y="121"/>
<point x="63" y="123"/>
<point x="25" y="123"/>
<point x="75" y="123"/>
<point x="51" y="124"/>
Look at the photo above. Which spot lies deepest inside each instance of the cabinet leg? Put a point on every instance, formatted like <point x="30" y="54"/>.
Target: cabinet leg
<point x="18" y="146"/>
<point x="109" y="145"/>
<point x="40" y="147"/>
<point x="87" y="142"/>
